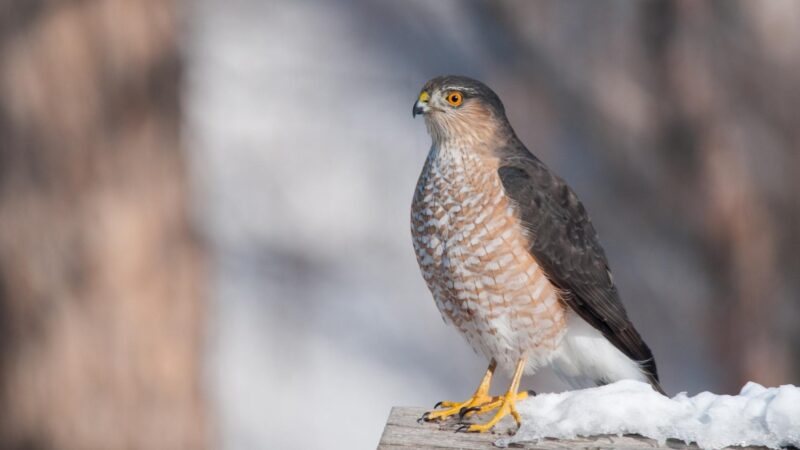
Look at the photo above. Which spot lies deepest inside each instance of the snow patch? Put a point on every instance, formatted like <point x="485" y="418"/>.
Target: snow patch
<point x="758" y="416"/>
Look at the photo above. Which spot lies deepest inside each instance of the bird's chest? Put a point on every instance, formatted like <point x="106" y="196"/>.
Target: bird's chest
<point x="470" y="246"/>
<point x="459" y="214"/>
<point x="473" y="253"/>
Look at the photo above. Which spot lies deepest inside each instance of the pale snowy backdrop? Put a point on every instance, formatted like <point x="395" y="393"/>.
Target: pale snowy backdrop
<point x="304" y="157"/>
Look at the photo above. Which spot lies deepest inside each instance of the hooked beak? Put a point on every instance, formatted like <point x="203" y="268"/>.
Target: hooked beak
<point x="421" y="105"/>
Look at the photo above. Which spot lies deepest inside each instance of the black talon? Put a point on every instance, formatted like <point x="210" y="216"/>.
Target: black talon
<point x="424" y="417"/>
<point x="438" y="404"/>
<point x="464" y="411"/>
<point x="462" y="429"/>
<point x="531" y="392"/>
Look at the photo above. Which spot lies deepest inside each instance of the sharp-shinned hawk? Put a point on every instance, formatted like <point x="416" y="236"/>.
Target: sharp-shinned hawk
<point x="511" y="257"/>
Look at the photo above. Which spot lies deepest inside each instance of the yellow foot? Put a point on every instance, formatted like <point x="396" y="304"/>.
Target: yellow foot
<point x="493" y="404"/>
<point x="454" y="408"/>
<point x="506" y="405"/>
<point x="480" y="397"/>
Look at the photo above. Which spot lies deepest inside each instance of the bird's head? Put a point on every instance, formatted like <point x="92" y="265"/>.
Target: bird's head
<point x="460" y="109"/>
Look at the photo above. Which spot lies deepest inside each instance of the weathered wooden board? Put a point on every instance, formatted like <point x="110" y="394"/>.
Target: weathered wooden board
<point x="403" y="432"/>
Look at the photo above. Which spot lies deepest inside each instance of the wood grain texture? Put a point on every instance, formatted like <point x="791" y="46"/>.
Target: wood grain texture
<point x="403" y="432"/>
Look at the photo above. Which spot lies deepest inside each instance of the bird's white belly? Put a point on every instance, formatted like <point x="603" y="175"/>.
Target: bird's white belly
<point x="473" y="254"/>
<point x="585" y="358"/>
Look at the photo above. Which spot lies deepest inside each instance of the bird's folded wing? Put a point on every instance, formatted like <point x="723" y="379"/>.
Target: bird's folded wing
<point x="565" y="244"/>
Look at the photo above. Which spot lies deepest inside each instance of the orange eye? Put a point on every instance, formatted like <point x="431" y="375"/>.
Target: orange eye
<point x="455" y="98"/>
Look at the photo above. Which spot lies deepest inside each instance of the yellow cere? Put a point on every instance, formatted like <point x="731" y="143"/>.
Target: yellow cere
<point x="424" y="96"/>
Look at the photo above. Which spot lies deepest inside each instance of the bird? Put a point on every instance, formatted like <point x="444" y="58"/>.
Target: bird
<point x="511" y="257"/>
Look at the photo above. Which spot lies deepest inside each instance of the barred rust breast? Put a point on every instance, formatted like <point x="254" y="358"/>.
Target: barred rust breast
<point x="473" y="255"/>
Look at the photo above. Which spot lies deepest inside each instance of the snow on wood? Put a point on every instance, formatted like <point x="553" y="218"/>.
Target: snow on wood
<point x="756" y="416"/>
<point x="627" y="414"/>
<point x="403" y="432"/>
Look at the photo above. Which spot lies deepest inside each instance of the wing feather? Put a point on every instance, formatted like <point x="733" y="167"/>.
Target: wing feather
<point x="565" y="244"/>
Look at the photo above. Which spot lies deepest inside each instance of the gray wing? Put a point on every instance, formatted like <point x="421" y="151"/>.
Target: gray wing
<point x="566" y="246"/>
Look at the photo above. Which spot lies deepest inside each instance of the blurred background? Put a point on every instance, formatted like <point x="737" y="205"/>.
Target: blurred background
<point x="204" y="206"/>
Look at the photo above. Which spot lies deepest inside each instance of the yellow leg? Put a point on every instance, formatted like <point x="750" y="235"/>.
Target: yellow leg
<point x="480" y="398"/>
<point x="506" y="404"/>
